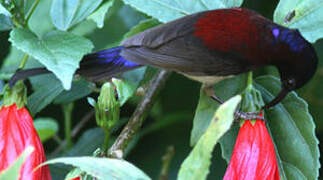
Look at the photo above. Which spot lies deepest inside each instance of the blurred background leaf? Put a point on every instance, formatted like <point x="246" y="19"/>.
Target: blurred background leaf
<point x="167" y="10"/>
<point x="46" y="128"/>
<point x="304" y="15"/>
<point x="99" y="15"/>
<point x="5" y="23"/>
<point x="67" y="13"/>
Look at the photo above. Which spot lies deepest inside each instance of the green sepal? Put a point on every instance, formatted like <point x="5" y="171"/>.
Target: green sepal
<point x="15" y="95"/>
<point x="252" y="100"/>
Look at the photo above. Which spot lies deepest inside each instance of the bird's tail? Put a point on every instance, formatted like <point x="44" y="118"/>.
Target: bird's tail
<point x="96" y="66"/>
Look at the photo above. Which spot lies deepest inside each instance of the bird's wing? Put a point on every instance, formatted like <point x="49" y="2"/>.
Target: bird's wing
<point x="160" y="35"/>
<point x="176" y="46"/>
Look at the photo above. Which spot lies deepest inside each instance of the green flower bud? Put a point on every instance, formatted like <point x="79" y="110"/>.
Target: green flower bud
<point x="107" y="108"/>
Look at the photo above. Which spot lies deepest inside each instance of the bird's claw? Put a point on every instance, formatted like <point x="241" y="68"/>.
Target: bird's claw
<point x="247" y="115"/>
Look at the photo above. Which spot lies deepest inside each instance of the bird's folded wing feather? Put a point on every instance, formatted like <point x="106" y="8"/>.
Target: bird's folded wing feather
<point x="174" y="46"/>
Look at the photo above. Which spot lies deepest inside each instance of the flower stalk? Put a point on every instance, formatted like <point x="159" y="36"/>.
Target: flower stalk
<point x="67" y="110"/>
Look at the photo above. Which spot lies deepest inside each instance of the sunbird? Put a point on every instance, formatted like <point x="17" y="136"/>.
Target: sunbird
<point x="208" y="47"/>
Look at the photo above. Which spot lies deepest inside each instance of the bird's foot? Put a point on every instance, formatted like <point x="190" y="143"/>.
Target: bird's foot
<point x="247" y="115"/>
<point x="208" y="90"/>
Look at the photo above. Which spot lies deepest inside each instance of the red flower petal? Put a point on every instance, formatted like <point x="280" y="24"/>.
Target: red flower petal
<point x="253" y="156"/>
<point x="16" y="133"/>
<point x="77" y="178"/>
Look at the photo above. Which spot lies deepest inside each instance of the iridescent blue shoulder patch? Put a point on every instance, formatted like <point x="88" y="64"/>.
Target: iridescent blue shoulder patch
<point x="293" y="38"/>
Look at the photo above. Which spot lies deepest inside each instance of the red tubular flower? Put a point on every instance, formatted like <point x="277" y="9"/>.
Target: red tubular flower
<point x="253" y="156"/>
<point x="16" y="133"/>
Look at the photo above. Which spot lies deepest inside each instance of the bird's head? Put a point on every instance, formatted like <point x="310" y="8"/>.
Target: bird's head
<point x="297" y="61"/>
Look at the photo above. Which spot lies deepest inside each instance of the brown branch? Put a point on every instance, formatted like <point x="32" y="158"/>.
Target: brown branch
<point x="136" y="120"/>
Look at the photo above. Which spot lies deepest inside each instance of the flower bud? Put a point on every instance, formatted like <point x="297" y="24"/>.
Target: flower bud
<point x="107" y="108"/>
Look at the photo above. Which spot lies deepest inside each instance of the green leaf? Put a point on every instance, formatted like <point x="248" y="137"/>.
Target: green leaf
<point x="207" y="106"/>
<point x="80" y="88"/>
<point x="293" y="131"/>
<point x="167" y="10"/>
<point x="305" y="15"/>
<point x="166" y="121"/>
<point x="59" y="52"/>
<point x="12" y="172"/>
<point x="4" y="11"/>
<point x="143" y="25"/>
<point x="104" y="168"/>
<point x="44" y="92"/>
<point x="46" y="128"/>
<point x="91" y="101"/>
<point x="129" y="83"/>
<point x="87" y="143"/>
<point x="62" y="13"/>
<point x="85" y="9"/>
<point x="41" y="98"/>
<point x="44" y="25"/>
<point x="59" y="171"/>
<point x="99" y="15"/>
<point x="125" y="90"/>
<point x="196" y="165"/>
<point x="227" y="142"/>
<point x="223" y="3"/>
<point x="11" y="62"/>
<point x="74" y="173"/>
<point x="67" y="13"/>
<point x="5" y="23"/>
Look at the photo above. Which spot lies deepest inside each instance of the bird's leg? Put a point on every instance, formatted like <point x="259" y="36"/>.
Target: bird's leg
<point x="208" y="90"/>
<point x="213" y="96"/>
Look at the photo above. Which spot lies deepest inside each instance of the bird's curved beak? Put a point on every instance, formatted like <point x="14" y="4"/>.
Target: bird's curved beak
<point x="277" y="99"/>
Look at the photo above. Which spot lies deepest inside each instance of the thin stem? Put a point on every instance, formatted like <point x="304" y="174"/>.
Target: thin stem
<point x="23" y="61"/>
<point x="136" y="120"/>
<point x="106" y="140"/>
<point x="249" y="81"/>
<point x="67" y="109"/>
<point x="16" y="23"/>
<point x="57" y="139"/>
<point x="31" y="10"/>
<point x="166" y="159"/>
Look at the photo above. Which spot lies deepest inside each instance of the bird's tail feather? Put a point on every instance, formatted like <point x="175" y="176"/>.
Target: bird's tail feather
<point x="104" y="64"/>
<point x="96" y="66"/>
<point x="23" y="74"/>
